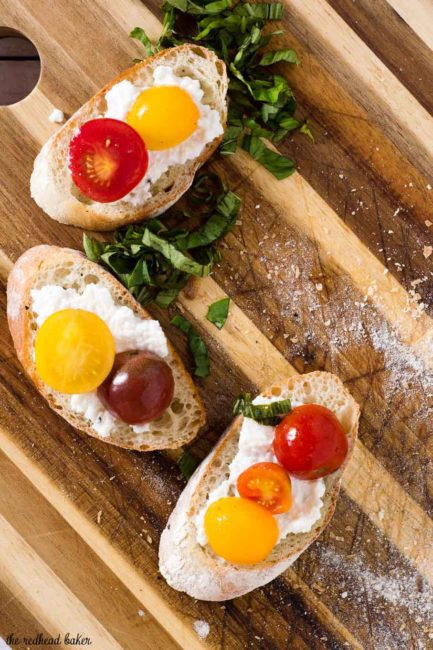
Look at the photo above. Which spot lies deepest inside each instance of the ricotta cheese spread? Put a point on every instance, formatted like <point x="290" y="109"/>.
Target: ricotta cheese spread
<point x="120" y="99"/>
<point x="130" y="332"/>
<point x="255" y="446"/>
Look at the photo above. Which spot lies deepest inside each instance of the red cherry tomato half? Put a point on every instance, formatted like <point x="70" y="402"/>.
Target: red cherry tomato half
<point x="139" y="387"/>
<point x="107" y="159"/>
<point x="310" y="442"/>
<point x="268" y="485"/>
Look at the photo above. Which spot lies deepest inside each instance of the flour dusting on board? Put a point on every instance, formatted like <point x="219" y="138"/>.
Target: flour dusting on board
<point x="393" y="589"/>
<point x="297" y="279"/>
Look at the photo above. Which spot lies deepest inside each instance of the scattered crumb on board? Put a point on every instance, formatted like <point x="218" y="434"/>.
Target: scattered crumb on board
<point x="201" y="628"/>
<point x="56" y="116"/>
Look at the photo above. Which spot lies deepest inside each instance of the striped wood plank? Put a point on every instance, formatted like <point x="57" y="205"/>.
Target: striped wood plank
<point x="323" y="274"/>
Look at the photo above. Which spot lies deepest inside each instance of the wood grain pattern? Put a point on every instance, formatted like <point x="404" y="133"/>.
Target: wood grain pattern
<point x="326" y="270"/>
<point x="54" y="548"/>
<point x="418" y="15"/>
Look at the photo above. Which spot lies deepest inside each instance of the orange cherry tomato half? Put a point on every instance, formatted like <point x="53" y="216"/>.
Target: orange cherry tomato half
<point x="269" y="485"/>
<point x="239" y="530"/>
<point x="107" y="159"/>
<point x="74" y="351"/>
<point x="164" y="116"/>
<point x="310" y="442"/>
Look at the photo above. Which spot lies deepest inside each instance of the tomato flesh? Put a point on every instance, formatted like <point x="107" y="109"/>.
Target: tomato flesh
<point x="239" y="530"/>
<point x="310" y="442"/>
<point x="164" y="116"/>
<point x="107" y="159"/>
<point x="74" y="351"/>
<point x="268" y="485"/>
<point x="139" y="388"/>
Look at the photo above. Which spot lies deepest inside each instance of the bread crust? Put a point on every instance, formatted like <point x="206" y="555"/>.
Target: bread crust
<point x="53" y="194"/>
<point x="197" y="571"/>
<point x="20" y="282"/>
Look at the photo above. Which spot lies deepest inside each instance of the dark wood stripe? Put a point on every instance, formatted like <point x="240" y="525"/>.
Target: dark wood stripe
<point x="394" y="42"/>
<point x="361" y="577"/>
<point x="350" y="141"/>
<point x="342" y="69"/>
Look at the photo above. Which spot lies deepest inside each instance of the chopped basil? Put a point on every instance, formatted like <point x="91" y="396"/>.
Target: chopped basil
<point x="218" y="312"/>
<point x="261" y="105"/>
<point x="154" y="263"/>
<point x="278" y="165"/>
<point x="279" y="55"/>
<point x="187" y="464"/>
<point x="223" y="220"/>
<point x="196" y="345"/>
<point x="305" y="129"/>
<point x="93" y="248"/>
<point x="173" y="255"/>
<point x="141" y="36"/>
<point x="263" y="413"/>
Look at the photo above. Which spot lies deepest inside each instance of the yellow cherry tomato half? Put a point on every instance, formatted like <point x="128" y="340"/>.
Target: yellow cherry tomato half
<point x="74" y="351"/>
<point x="164" y="116"/>
<point x="239" y="530"/>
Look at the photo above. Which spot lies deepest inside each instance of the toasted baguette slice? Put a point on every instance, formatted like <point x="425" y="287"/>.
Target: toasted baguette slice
<point x="51" y="184"/>
<point x="189" y="567"/>
<point x="68" y="268"/>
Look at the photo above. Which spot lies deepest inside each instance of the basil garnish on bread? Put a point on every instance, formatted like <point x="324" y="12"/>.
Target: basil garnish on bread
<point x="263" y="413"/>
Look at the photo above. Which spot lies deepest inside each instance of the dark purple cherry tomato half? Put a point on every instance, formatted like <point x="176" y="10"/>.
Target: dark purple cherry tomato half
<point x="139" y="387"/>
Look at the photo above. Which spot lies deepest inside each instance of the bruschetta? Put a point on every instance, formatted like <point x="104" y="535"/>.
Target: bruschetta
<point x="96" y="355"/>
<point x="249" y="510"/>
<point x="132" y="150"/>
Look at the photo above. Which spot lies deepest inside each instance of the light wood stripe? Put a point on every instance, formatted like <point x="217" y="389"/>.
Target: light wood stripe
<point x="125" y="571"/>
<point x="418" y="14"/>
<point x="22" y="569"/>
<point x="134" y="13"/>
<point x="338" y="44"/>
<point x="33" y="113"/>
<point x="6" y="265"/>
<point x="366" y="481"/>
<point x="353" y="131"/>
<point x="75" y="564"/>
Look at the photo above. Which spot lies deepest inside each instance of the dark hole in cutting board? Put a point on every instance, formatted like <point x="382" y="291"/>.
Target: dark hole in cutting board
<point x="20" y="66"/>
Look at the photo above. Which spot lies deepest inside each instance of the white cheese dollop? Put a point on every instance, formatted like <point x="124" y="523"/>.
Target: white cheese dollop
<point x="120" y="99"/>
<point x="255" y="446"/>
<point x="56" y="116"/>
<point x="130" y="332"/>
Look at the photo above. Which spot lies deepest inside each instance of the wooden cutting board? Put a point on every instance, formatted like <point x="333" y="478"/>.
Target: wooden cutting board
<point x="330" y="269"/>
